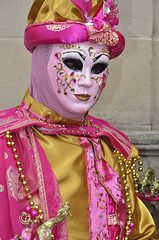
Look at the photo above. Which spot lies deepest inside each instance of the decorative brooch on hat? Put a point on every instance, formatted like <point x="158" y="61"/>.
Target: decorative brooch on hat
<point x="74" y="21"/>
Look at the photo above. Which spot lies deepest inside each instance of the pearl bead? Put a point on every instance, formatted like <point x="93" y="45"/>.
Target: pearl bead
<point x="140" y="163"/>
<point x="12" y="143"/>
<point x="132" y="225"/>
<point x="128" y="206"/>
<point x="20" y="169"/>
<point x="31" y="203"/>
<point x="40" y="211"/>
<point x="9" y="144"/>
<point x="27" y="190"/>
<point x="127" y="233"/>
<point x="128" y="200"/>
<point x="128" y="223"/>
<point x="127" y="227"/>
<point x="140" y="169"/>
<point x="123" y="175"/>
<point x="22" y="176"/>
<point x="7" y="132"/>
<point x="27" y="230"/>
<point x="135" y="179"/>
<point x="129" y="218"/>
<point x="34" y="214"/>
<point x="18" y="163"/>
<point x="29" y="196"/>
<point x="28" y="209"/>
<point x="129" y="212"/>
<point x="24" y="183"/>
<point x="7" y="136"/>
<point x="125" y="182"/>
<point x="14" y="150"/>
<point x="36" y="207"/>
<point x="16" y="156"/>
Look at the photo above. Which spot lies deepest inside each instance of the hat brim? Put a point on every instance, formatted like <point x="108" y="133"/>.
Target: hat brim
<point x="70" y="33"/>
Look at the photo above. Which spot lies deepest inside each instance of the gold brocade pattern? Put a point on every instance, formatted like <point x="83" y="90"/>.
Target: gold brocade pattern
<point x="105" y="36"/>
<point x="57" y="28"/>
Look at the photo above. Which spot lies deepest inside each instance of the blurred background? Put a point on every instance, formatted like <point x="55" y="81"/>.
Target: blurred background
<point x="130" y="100"/>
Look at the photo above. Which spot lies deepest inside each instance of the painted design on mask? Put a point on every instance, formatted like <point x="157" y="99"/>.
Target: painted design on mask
<point x="91" y="50"/>
<point x="64" y="79"/>
<point x="72" y="46"/>
<point x="103" y="50"/>
<point x="58" y="55"/>
<point x="101" y="81"/>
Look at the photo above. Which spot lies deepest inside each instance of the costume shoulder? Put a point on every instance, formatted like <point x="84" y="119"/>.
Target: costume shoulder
<point x="13" y="120"/>
<point x="116" y="138"/>
<point x="106" y="126"/>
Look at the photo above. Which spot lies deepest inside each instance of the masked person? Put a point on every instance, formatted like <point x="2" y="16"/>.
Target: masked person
<point x="55" y="158"/>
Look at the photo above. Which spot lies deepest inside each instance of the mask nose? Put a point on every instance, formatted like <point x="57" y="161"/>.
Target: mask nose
<point x="85" y="80"/>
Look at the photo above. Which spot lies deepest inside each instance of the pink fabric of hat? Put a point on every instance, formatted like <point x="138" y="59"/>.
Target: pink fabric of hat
<point x="74" y="21"/>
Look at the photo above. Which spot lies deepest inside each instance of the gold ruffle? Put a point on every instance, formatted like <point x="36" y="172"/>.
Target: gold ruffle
<point x="53" y="116"/>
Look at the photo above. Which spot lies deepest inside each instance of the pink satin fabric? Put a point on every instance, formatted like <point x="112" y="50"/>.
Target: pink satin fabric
<point x="103" y="199"/>
<point x="73" y="32"/>
<point x="42" y="183"/>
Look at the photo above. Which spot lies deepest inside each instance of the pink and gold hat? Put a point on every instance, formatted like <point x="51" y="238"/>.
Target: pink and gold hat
<point x="74" y="21"/>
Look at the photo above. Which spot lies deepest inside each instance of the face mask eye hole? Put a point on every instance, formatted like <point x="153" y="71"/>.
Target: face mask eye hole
<point x="73" y="64"/>
<point x="98" y="68"/>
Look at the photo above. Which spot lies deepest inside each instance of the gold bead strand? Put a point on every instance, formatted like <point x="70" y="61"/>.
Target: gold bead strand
<point x="125" y="166"/>
<point x="11" y="143"/>
<point x="140" y="163"/>
<point x="133" y="172"/>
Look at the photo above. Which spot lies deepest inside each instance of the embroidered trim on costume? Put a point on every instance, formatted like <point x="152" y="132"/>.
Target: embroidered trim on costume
<point x="57" y="28"/>
<point x="37" y="163"/>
